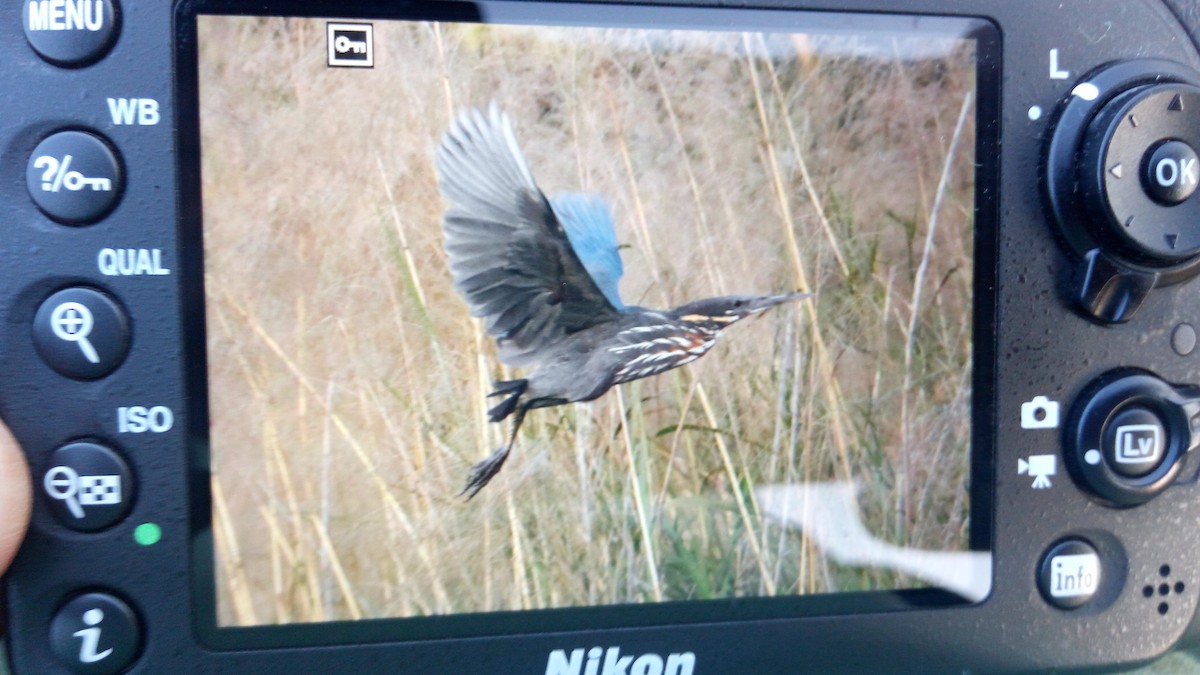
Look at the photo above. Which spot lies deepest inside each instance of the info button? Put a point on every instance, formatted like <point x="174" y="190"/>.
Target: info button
<point x="1069" y="574"/>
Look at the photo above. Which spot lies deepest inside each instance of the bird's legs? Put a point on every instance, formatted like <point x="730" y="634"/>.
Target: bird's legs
<point x="484" y="471"/>
<point x="511" y="390"/>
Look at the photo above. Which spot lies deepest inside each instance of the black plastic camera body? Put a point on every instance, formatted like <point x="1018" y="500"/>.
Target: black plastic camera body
<point x="1084" y="509"/>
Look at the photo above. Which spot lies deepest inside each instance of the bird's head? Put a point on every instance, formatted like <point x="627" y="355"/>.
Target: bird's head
<point x="715" y="314"/>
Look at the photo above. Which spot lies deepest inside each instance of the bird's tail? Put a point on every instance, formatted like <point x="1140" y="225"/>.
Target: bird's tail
<point x="511" y="390"/>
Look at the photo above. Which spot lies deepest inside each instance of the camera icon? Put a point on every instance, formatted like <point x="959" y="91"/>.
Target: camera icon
<point x="1040" y="413"/>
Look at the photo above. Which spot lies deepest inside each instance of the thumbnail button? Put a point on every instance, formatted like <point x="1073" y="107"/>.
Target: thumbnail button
<point x="89" y="486"/>
<point x="74" y="177"/>
<point x="95" y="633"/>
<point x="81" y="333"/>
<point x="1069" y="574"/>
<point x="1134" y="442"/>
<point x="70" y="32"/>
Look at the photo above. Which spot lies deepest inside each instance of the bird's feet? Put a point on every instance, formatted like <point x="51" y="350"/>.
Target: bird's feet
<point x="483" y="472"/>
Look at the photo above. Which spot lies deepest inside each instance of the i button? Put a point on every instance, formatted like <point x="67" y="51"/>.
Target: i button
<point x="96" y="633"/>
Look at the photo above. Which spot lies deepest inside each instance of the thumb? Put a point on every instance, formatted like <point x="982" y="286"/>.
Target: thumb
<point x="16" y="497"/>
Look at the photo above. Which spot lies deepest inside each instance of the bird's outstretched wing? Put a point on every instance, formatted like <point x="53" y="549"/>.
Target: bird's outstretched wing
<point x="509" y="255"/>
<point x="589" y="226"/>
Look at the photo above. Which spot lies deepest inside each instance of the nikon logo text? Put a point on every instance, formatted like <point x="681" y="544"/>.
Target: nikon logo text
<point x="610" y="662"/>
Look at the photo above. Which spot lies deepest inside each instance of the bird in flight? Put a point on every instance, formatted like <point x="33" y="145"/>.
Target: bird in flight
<point x="542" y="274"/>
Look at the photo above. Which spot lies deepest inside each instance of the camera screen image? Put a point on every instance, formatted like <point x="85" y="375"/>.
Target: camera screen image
<point x="640" y="313"/>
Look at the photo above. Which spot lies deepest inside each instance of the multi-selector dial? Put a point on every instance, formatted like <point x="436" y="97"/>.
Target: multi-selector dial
<point x="1121" y="176"/>
<point x="1138" y="171"/>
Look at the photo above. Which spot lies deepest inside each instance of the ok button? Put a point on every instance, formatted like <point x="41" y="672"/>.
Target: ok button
<point x="81" y="333"/>
<point x="1171" y="174"/>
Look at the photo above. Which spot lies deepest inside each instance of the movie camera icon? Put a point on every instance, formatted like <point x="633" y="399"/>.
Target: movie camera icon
<point x="1040" y="467"/>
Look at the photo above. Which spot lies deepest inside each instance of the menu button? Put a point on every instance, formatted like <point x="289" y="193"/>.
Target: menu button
<point x="70" y="32"/>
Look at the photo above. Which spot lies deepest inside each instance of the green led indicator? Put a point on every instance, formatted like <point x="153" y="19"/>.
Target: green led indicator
<point x="147" y="534"/>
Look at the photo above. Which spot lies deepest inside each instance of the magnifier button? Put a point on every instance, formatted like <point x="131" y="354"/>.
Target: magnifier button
<point x="88" y="487"/>
<point x="81" y="333"/>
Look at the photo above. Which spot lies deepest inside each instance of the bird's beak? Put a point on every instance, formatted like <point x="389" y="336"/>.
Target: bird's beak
<point x="766" y="302"/>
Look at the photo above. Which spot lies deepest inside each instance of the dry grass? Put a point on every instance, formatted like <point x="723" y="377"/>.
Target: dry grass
<point x="348" y="381"/>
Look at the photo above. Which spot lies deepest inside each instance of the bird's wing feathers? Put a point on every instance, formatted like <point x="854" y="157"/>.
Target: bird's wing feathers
<point x="509" y="255"/>
<point x="589" y="226"/>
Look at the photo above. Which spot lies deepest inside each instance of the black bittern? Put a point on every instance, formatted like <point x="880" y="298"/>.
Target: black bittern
<point x="542" y="274"/>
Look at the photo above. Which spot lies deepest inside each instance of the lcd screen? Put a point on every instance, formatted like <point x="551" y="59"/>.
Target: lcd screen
<point x="820" y="445"/>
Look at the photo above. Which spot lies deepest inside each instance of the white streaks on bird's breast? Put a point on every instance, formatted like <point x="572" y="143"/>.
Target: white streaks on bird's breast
<point x="674" y="346"/>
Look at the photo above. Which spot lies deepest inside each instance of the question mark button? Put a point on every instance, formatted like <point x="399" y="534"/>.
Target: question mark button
<point x="74" y="177"/>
